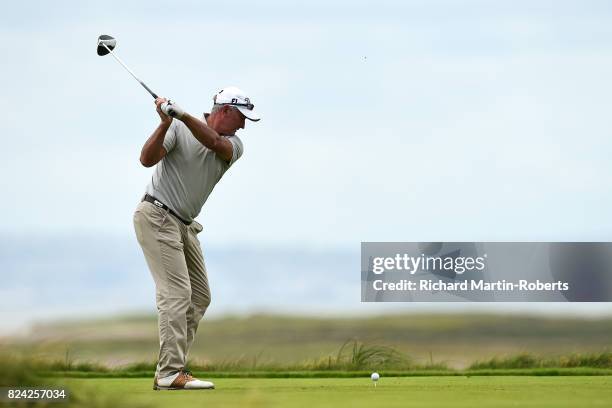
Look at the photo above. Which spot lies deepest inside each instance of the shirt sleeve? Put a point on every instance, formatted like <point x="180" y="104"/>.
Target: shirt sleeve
<point x="237" y="148"/>
<point x="170" y="138"/>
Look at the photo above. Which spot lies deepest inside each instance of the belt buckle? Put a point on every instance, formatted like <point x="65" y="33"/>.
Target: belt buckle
<point x="157" y="203"/>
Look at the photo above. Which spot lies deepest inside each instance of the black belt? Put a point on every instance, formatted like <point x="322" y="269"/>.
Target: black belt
<point x="163" y="206"/>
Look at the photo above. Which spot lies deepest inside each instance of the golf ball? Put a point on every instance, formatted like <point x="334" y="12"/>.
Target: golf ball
<point x="375" y="376"/>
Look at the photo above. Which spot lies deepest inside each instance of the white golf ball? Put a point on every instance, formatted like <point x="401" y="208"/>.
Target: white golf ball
<point x="375" y="376"/>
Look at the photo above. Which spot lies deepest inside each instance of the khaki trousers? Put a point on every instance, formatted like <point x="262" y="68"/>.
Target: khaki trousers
<point x="174" y="256"/>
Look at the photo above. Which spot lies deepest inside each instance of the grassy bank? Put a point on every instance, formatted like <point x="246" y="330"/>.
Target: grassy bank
<point x="456" y="341"/>
<point x="537" y="372"/>
<point x="353" y="359"/>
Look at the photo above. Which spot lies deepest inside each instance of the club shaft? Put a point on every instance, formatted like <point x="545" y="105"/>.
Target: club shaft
<point x="153" y="94"/>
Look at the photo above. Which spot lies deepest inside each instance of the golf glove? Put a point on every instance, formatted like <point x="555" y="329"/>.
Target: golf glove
<point x="172" y="109"/>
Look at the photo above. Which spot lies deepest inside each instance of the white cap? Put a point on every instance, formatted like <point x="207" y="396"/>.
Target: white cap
<point x="235" y="97"/>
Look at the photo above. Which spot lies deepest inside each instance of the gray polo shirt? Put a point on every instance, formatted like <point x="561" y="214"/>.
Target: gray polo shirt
<point x="186" y="176"/>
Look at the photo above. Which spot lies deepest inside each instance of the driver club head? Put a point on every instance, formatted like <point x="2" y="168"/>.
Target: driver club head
<point x="106" y="44"/>
<point x="107" y="40"/>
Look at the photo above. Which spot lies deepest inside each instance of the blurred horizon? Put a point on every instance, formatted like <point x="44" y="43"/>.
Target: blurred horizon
<point x="49" y="277"/>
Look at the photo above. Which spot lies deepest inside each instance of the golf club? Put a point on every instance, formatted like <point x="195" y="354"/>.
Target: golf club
<point x="106" y="45"/>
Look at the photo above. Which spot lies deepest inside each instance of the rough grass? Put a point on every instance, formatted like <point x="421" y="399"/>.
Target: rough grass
<point x="525" y="360"/>
<point x="353" y="359"/>
<point x="533" y="372"/>
<point x="351" y="356"/>
<point x="455" y="340"/>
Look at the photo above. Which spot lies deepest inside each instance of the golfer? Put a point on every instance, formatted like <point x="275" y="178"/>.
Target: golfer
<point x="191" y="155"/>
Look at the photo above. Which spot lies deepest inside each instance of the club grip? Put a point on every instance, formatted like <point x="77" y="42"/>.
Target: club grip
<point x="153" y="94"/>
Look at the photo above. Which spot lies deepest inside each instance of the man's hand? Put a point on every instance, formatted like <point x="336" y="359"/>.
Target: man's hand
<point x="171" y="109"/>
<point x="164" y="118"/>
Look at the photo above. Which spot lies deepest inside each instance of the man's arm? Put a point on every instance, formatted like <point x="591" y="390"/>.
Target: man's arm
<point x="204" y="133"/>
<point x="153" y="150"/>
<point x="209" y="137"/>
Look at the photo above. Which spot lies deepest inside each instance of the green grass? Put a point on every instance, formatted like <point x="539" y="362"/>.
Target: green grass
<point x="429" y="392"/>
<point x="525" y="387"/>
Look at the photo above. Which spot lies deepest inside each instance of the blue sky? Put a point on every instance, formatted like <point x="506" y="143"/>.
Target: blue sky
<point x="387" y="121"/>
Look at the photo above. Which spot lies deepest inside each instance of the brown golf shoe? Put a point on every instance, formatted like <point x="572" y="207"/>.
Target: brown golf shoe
<point x="183" y="380"/>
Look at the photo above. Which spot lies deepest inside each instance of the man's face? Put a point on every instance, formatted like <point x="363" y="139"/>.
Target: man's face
<point x="231" y="120"/>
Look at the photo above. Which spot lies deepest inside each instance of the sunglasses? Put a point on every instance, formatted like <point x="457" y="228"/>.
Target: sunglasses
<point x="249" y="106"/>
